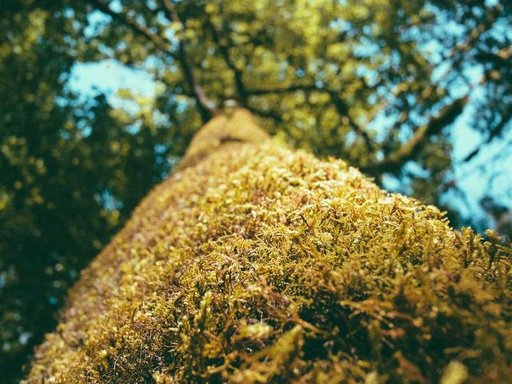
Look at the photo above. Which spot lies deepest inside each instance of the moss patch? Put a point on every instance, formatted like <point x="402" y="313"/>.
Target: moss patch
<point x="255" y="263"/>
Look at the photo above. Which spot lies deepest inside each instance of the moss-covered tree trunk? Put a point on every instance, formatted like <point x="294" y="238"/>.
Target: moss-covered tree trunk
<point x="255" y="263"/>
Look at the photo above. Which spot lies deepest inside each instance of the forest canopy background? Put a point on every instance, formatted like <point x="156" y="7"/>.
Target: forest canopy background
<point x="390" y="86"/>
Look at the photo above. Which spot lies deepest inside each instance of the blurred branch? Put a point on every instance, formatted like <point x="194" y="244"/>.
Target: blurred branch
<point x="224" y="51"/>
<point x="340" y="106"/>
<point x="268" y="114"/>
<point x="499" y="155"/>
<point x="475" y="34"/>
<point x="343" y="110"/>
<point x="495" y="132"/>
<point x="409" y="149"/>
<point x="205" y="106"/>
<point x="457" y="53"/>
<point x="281" y="90"/>
<point x="133" y="25"/>
<point x="450" y="112"/>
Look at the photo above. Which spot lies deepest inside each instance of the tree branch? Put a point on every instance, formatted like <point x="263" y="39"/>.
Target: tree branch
<point x="409" y="149"/>
<point x="133" y="25"/>
<point x="206" y="107"/>
<point x="495" y="132"/>
<point x="341" y="107"/>
<point x="343" y="110"/>
<point x="266" y="114"/>
<point x="289" y="89"/>
<point x="224" y="51"/>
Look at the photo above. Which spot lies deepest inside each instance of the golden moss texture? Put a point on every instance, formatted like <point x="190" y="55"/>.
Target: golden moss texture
<point x="254" y="263"/>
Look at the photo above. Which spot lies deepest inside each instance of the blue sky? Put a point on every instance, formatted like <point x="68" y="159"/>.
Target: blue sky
<point x="109" y="76"/>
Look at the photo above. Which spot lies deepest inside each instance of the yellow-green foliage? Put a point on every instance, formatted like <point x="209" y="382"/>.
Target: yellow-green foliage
<point x="260" y="264"/>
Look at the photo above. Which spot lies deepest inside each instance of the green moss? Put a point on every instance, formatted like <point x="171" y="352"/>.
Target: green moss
<point x="255" y="263"/>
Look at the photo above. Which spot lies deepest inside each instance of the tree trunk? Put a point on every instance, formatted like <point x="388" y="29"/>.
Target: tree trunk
<point x="256" y="263"/>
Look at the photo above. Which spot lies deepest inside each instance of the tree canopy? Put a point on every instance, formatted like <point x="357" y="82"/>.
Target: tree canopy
<point x="378" y="83"/>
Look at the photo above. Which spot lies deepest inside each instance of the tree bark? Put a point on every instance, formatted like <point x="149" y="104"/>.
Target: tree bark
<point x="256" y="263"/>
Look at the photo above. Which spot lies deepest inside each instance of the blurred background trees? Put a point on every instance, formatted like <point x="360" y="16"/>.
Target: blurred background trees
<point x="391" y="86"/>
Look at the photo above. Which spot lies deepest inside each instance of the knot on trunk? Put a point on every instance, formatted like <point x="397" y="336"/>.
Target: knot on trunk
<point x="231" y="126"/>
